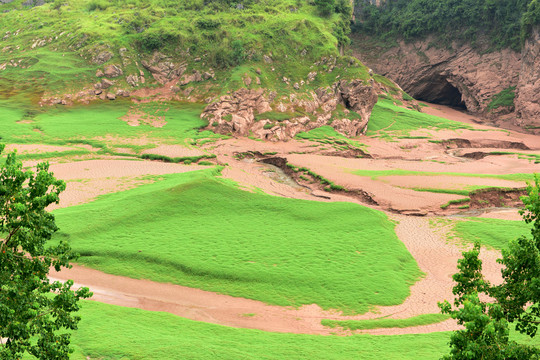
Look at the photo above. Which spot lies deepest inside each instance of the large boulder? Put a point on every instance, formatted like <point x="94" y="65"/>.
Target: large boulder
<point x="113" y="71"/>
<point x="163" y="69"/>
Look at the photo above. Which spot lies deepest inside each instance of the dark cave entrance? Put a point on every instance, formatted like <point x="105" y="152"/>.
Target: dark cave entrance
<point x="438" y="90"/>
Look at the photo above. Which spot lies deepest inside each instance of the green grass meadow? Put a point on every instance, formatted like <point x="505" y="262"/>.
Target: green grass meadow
<point x="113" y="332"/>
<point x="101" y="125"/>
<point x="494" y="233"/>
<point x="197" y="230"/>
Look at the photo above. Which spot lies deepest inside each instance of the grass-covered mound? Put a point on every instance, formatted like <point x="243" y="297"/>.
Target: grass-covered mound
<point x="196" y="230"/>
<point x="113" y="332"/>
<point x="495" y="233"/>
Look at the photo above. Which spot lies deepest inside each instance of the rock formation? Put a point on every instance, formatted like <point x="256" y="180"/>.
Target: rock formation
<point x="528" y="95"/>
<point x="460" y="76"/>
<point x="163" y="69"/>
<point x="236" y="113"/>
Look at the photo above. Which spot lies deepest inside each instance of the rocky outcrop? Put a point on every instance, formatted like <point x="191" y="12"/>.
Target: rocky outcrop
<point x="113" y="71"/>
<point x="461" y="76"/>
<point x="254" y="112"/>
<point x="527" y="101"/>
<point x="163" y="69"/>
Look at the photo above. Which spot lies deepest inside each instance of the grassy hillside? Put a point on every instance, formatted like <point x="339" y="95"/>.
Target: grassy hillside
<point x="57" y="47"/>
<point x="191" y="229"/>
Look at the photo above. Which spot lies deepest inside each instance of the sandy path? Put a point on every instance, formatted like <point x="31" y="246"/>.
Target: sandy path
<point x="436" y="258"/>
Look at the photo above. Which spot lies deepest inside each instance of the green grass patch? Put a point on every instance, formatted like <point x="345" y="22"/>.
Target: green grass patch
<point x="328" y="135"/>
<point x="494" y="233"/>
<point x="200" y="231"/>
<point x="455" y="202"/>
<point x="531" y="157"/>
<point x="388" y="120"/>
<point x="425" y="319"/>
<point x="100" y="125"/>
<point x="113" y="332"/>
<point x="504" y="98"/>
<point x="376" y="174"/>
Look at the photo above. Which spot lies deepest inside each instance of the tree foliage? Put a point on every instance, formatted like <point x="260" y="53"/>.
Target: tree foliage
<point x="500" y="20"/>
<point x="516" y="300"/>
<point x="32" y="309"/>
<point x="326" y="7"/>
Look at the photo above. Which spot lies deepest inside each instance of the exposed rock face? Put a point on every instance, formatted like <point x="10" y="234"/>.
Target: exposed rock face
<point x="113" y="71"/>
<point x="132" y="80"/>
<point x="235" y="113"/>
<point x="163" y="69"/>
<point x="528" y="96"/>
<point x="458" y="77"/>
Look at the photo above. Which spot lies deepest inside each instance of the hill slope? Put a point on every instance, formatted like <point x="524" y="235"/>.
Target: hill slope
<point x="267" y="69"/>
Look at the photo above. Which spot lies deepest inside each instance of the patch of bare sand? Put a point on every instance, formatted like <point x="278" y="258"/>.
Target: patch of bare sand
<point x="387" y="190"/>
<point x="502" y="214"/>
<point x="85" y="180"/>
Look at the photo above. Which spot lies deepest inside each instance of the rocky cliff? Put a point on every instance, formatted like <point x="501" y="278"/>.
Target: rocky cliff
<point x="528" y="94"/>
<point x="460" y="76"/>
<point x="463" y="76"/>
<point x="474" y="60"/>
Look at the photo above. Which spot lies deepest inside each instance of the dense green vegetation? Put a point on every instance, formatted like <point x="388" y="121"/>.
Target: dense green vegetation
<point x="425" y="319"/>
<point x="191" y="229"/>
<point x="505" y="22"/>
<point x="494" y="233"/>
<point x="35" y="314"/>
